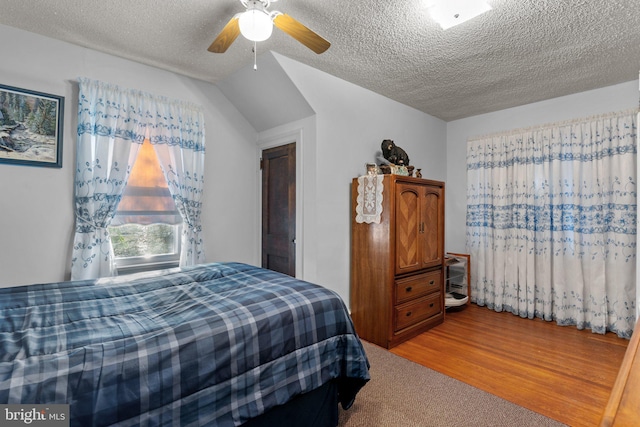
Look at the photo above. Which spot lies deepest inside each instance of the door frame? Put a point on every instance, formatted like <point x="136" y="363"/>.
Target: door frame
<point x="287" y="137"/>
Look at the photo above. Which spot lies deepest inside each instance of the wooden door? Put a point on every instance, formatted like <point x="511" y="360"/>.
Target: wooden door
<point x="431" y="219"/>
<point x="279" y="209"/>
<point x="407" y="225"/>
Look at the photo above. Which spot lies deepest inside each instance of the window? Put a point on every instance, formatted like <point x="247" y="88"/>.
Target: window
<point x="145" y="231"/>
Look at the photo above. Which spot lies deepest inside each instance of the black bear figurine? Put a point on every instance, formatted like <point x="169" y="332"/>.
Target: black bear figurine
<point x="394" y="154"/>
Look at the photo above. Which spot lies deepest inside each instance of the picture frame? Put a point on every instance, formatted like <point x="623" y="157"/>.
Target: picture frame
<point x="30" y="127"/>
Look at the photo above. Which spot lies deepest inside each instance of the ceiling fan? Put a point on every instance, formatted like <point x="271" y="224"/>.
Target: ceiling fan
<point x="256" y="24"/>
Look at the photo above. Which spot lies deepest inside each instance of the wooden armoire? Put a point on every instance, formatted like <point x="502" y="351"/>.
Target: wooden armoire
<point x="397" y="265"/>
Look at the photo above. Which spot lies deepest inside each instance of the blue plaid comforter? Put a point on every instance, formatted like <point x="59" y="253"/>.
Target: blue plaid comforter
<point x="215" y="344"/>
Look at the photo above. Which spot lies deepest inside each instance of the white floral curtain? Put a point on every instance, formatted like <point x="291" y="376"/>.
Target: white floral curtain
<point x="551" y="222"/>
<point x="180" y="150"/>
<point x="112" y="124"/>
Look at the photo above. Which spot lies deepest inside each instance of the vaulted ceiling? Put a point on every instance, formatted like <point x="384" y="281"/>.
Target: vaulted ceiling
<point x="519" y="52"/>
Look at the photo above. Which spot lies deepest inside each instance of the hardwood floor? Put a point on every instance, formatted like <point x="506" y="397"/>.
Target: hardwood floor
<point x="560" y="372"/>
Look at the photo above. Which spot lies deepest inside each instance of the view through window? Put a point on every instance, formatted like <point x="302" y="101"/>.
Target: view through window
<point x="145" y="232"/>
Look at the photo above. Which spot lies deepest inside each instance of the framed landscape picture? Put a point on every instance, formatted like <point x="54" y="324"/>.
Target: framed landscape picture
<point x="30" y="127"/>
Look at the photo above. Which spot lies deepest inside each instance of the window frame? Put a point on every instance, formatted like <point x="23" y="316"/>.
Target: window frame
<point x="134" y="264"/>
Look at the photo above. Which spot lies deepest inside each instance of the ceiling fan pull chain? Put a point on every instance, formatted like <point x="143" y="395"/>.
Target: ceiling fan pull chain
<point x="255" y="59"/>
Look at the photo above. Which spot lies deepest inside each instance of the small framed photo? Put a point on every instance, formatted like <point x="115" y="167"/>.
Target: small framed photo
<point x="30" y="127"/>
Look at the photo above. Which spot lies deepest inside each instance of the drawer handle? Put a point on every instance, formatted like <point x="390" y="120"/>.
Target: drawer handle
<point x="431" y="305"/>
<point x="432" y="282"/>
<point x="408" y="313"/>
<point x="409" y="288"/>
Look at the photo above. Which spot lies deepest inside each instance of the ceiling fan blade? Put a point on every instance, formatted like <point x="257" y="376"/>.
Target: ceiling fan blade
<point x="301" y="33"/>
<point x="227" y="36"/>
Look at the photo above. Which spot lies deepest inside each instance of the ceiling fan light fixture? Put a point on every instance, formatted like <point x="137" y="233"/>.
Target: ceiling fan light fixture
<point x="256" y="25"/>
<point x="448" y="13"/>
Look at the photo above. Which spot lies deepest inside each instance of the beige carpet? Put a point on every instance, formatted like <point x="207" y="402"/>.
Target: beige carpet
<point x="402" y="393"/>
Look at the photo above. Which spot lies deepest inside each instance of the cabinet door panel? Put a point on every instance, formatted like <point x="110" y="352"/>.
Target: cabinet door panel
<point x="407" y="225"/>
<point x="431" y="236"/>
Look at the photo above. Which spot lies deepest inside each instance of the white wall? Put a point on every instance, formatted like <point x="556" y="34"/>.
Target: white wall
<point x="600" y="101"/>
<point x="37" y="208"/>
<point x="351" y="123"/>
<point x="266" y="96"/>
<point x="346" y="132"/>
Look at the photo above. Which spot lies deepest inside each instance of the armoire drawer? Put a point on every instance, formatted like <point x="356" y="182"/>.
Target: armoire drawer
<point x="412" y="287"/>
<point x="418" y="310"/>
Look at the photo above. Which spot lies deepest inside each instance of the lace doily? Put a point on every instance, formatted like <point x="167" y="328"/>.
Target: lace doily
<point x="369" y="200"/>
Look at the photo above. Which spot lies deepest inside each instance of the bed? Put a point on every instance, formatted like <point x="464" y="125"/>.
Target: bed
<point x="221" y="344"/>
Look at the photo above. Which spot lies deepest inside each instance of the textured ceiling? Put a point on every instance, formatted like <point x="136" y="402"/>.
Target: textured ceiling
<point x="520" y="52"/>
